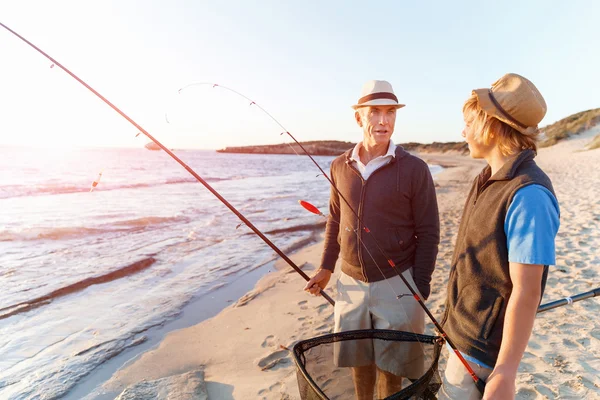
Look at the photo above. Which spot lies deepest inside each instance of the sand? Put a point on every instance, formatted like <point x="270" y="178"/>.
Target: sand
<point x="244" y="351"/>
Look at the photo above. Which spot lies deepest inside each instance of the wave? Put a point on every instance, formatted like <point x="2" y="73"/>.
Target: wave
<point x="146" y="221"/>
<point x="49" y="233"/>
<point x="301" y="243"/>
<point x="10" y="191"/>
<point x="125" y="271"/>
<point x="296" y="228"/>
<point x="52" y="233"/>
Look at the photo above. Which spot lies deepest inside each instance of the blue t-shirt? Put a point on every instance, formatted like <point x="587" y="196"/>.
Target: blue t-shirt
<point x="531" y="224"/>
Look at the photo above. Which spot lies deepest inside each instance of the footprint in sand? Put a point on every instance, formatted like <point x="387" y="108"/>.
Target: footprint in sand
<point x="525" y="393"/>
<point x="541" y="377"/>
<point x="269" y="391"/>
<point x="545" y="391"/>
<point x="269" y="341"/>
<point x="321" y="308"/>
<point x="279" y="357"/>
<point x="569" y="343"/>
<point x="303" y="305"/>
<point x="322" y="327"/>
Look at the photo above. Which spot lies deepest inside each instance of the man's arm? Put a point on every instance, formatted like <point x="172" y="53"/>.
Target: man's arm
<point x="331" y="249"/>
<point x="518" y="324"/>
<point x="427" y="228"/>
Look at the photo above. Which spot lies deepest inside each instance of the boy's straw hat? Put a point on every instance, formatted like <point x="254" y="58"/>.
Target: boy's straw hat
<point x="515" y="101"/>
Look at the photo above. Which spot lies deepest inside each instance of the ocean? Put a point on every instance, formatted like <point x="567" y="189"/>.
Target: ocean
<point x="84" y="275"/>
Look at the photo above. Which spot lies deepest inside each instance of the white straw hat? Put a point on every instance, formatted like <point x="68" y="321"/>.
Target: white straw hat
<point x="377" y="93"/>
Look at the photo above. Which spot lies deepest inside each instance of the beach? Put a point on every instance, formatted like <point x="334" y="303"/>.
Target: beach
<point x="244" y="351"/>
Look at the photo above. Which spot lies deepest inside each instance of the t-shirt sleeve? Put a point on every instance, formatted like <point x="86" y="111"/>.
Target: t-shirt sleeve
<point x="531" y="224"/>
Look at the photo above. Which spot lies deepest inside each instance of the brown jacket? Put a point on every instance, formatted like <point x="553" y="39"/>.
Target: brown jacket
<point x="399" y="207"/>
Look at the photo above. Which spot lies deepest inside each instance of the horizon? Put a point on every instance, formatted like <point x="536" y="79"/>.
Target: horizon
<point x="306" y="78"/>
<point x="142" y="147"/>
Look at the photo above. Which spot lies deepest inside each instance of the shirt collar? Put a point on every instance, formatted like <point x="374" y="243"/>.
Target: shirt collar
<point x="391" y="152"/>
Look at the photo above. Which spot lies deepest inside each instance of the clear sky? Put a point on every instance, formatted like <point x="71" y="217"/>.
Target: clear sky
<point x="304" y="61"/>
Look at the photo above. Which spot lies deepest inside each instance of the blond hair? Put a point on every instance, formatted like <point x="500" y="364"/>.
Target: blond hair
<point x="485" y="127"/>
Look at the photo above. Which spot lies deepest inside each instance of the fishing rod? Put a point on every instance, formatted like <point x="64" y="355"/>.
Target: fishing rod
<point x="479" y="383"/>
<point x="568" y="300"/>
<point x="184" y="165"/>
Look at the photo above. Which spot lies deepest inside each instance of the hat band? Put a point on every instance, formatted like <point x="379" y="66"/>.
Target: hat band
<point x="376" y="96"/>
<point x="503" y="111"/>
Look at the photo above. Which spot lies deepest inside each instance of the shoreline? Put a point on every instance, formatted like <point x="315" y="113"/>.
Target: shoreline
<point x="454" y="168"/>
<point x="194" y="312"/>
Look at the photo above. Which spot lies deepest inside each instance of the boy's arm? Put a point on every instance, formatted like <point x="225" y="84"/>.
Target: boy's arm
<point x="518" y="324"/>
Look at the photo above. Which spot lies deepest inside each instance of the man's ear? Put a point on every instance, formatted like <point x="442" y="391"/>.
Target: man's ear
<point x="358" y="118"/>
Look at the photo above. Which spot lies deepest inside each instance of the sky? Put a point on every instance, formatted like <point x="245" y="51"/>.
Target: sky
<point x="304" y="62"/>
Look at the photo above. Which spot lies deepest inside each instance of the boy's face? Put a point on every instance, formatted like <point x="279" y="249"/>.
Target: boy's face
<point x="477" y="148"/>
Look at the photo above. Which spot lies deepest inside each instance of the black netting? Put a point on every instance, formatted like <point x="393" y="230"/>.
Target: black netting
<point x="320" y="377"/>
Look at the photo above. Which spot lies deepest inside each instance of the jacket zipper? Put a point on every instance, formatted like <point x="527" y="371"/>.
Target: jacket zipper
<point x="363" y="269"/>
<point x="358" y="224"/>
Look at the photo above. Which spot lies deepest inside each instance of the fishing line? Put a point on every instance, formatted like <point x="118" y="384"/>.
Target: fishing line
<point x="285" y="131"/>
<point x="480" y="384"/>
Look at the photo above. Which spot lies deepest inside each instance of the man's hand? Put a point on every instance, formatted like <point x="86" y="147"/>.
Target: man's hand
<point x="500" y="386"/>
<point x="318" y="282"/>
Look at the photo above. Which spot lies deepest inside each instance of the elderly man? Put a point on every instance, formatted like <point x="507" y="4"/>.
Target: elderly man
<point x="393" y="193"/>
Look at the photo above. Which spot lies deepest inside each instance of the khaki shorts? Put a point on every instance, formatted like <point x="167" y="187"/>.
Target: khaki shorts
<point x="374" y="305"/>
<point x="457" y="383"/>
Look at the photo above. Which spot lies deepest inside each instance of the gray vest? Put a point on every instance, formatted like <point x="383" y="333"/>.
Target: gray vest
<point x="479" y="285"/>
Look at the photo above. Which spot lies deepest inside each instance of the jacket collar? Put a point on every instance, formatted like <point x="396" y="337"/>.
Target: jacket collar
<point x="391" y="151"/>
<point x="509" y="169"/>
<point x="398" y="154"/>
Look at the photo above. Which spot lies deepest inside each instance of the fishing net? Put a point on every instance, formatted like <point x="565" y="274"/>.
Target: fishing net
<point x="320" y="378"/>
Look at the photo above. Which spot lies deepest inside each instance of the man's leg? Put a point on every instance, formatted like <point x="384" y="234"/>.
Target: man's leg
<point x="364" y="381"/>
<point x="387" y="384"/>
<point x="397" y="359"/>
<point x="352" y="313"/>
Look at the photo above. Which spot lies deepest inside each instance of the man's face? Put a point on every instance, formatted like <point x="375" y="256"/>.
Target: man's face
<point x="377" y="123"/>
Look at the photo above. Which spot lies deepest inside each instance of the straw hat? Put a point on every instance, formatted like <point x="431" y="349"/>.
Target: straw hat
<point x="377" y="93"/>
<point x="515" y="101"/>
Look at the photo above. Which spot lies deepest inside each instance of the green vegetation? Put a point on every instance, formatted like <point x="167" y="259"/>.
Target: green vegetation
<point x="566" y="127"/>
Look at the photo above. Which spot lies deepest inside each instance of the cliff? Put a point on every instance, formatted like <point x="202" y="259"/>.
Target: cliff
<point x="335" y="148"/>
<point x="550" y="135"/>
